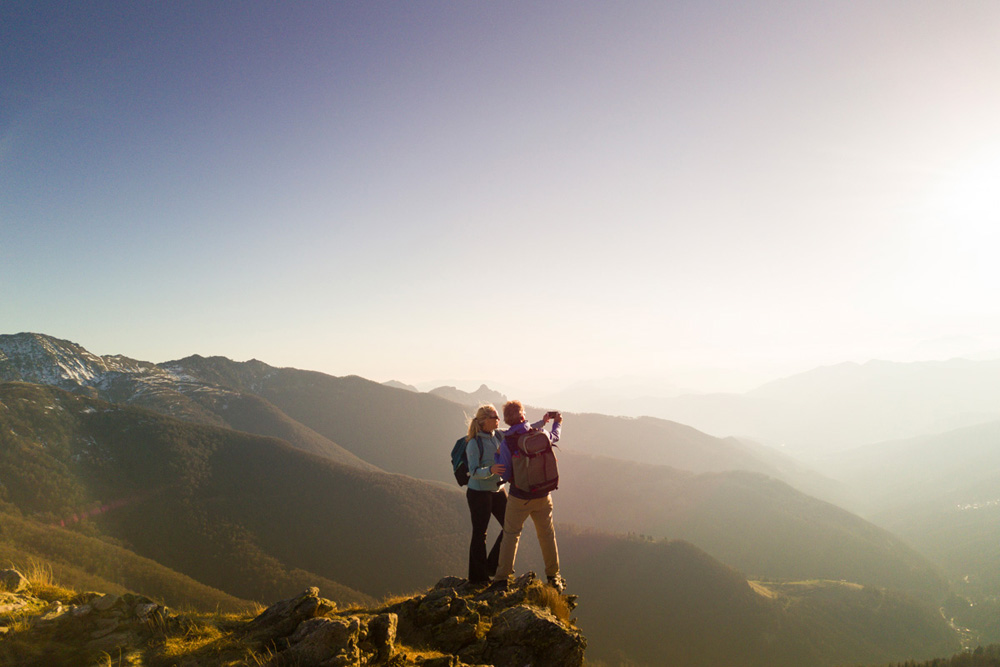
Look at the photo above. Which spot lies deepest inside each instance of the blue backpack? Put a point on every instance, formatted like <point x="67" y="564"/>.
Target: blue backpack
<point x="459" y="461"/>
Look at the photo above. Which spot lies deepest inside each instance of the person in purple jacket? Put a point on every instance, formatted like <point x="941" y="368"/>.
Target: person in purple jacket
<point x="521" y="504"/>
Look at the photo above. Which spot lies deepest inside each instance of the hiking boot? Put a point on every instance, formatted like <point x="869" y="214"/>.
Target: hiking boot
<point x="557" y="582"/>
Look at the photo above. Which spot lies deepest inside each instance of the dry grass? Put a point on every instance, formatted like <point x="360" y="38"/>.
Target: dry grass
<point x="254" y="610"/>
<point x="208" y="639"/>
<point x="42" y="584"/>
<point x="259" y="659"/>
<point x="381" y="605"/>
<point x="543" y="596"/>
<point x="19" y="620"/>
<point x="117" y="660"/>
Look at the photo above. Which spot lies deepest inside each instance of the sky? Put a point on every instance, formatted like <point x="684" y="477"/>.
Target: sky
<point x="677" y="195"/>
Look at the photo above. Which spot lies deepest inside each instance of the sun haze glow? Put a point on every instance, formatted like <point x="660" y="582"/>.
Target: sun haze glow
<point x="518" y="193"/>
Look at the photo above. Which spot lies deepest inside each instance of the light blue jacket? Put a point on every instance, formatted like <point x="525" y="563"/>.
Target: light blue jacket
<point x="480" y="477"/>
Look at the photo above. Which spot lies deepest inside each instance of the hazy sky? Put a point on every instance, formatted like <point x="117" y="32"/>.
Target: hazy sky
<point x="526" y="193"/>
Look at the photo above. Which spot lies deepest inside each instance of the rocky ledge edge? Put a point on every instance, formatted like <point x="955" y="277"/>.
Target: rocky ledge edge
<point x="454" y="624"/>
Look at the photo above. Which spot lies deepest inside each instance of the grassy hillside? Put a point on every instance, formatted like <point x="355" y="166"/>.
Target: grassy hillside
<point x="191" y="496"/>
<point x="86" y="562"/>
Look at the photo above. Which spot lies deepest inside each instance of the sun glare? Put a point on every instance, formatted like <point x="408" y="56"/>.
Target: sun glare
<point x="970" y="190"/>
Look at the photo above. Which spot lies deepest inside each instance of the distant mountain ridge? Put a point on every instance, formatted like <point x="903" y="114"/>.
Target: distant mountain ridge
<point x="395" y="384"/>
<point x="471" y="399"/>
<point x="807" y="412"/>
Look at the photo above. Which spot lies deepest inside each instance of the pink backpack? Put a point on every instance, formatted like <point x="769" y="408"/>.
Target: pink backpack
<point x="535" y="470"/>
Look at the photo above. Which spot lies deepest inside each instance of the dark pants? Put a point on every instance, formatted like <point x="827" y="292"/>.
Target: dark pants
<point x="481" y="505"/>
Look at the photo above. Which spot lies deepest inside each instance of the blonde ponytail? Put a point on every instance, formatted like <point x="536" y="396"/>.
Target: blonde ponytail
<point x="481" y="413"/>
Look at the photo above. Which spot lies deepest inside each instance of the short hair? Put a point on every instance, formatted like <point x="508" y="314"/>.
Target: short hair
<point x="513" y="412"/>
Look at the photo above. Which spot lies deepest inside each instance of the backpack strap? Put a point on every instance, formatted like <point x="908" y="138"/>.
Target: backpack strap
<point x="480" y="443"/>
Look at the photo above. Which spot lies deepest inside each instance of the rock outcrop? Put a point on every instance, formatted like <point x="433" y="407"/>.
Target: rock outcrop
<point x="94" y="622"/>
<point x="454" y="624"/>
<point x="451" y="625"/>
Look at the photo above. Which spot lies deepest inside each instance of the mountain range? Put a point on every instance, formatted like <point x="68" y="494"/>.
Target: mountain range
<point x="251" y="480"/>
<point x="838" y="407"/>
<point x="401" y="432"/>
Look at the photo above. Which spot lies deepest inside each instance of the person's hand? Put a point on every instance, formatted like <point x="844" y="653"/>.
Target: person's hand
<point x="497" y="468"/>
<point x="559" y="418"/>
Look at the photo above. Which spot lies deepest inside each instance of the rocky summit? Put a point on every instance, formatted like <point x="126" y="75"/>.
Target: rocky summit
<point x="454" y="624"/>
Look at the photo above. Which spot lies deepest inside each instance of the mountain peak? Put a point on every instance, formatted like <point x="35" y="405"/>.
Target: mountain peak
<point x="42" y="359"/>
<point x="396" y="384"/>
<point x="32" y="357"/>
<point x="480" y="396"/>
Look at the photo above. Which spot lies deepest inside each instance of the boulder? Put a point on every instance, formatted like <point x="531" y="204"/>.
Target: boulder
<point x="144" y="609"/>
<point x="115" y="641"/>
<point x="13" y="581"/>
<point x="283" y="618"/>
<point x="434" y="608"/>
<point x="382" y="635"/>
<point x="105" y="602"/>
<point x="334" y="641"/>
<point x="455" y="633"/>
<point x="529" y="635"/>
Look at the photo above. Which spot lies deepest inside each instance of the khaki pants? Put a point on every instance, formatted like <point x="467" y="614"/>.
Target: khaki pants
<point x="518" y="511"/>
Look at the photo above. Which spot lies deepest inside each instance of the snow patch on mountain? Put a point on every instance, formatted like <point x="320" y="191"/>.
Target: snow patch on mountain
<point x="40" y="359"/>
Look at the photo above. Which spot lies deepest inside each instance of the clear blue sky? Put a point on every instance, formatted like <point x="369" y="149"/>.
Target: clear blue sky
<point x="518" y="192"/>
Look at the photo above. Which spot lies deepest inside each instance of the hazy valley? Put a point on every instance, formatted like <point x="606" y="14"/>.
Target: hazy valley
<point x="209" y="482"/>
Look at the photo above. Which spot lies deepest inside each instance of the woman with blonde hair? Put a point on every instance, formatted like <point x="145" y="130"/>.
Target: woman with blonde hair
<point x="486" y="495"/>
